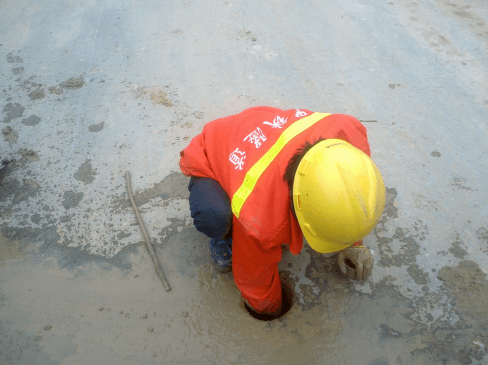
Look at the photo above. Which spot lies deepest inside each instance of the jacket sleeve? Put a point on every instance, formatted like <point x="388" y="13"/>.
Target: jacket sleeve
<point x="194" y="160"/>
<point x="359" y="135"/>
<point x="256" y="271"/>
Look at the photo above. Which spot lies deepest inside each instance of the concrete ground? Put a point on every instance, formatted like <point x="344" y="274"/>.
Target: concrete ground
<point x="91" y="89"/>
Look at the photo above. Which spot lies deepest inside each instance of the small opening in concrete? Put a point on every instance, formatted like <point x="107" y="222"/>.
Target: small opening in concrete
<point x="350" y="264"/>
<point x="286" y="304"/>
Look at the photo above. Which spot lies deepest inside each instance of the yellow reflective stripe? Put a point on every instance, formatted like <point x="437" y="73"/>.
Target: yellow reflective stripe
<point x="259" y="167"/>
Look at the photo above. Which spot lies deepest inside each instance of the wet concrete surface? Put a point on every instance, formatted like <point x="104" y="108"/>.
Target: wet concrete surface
<point x="90" y="90"/>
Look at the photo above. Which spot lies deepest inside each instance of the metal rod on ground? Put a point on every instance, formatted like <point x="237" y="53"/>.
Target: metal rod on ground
<point x="149" y="245"/>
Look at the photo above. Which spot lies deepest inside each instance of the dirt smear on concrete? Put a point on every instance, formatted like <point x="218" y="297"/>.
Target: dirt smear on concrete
<point x="29" y="155"/>
<point x="456" y="249"/>
<point x="156" y="95"/>
<point x="37" y="94"/>
<point x="71" y="199"/>
<point x="61" y="312"/>
<point x="12" y="110"/>
<point x="9" y="250"/>
<point x="72" y="83"/>
<point x="14" y="59"/>
<point x="85" y="173"/>
<point x="32" y="120"/>
<point x="201" y="320"/>
<point x="18" y="191"/>
<point x="172" y="186"/>
<point x="56" y="90"/>
<point x="96" y="127"/>
<point x="10" y="135"/>
<point x="464" y="341"/>
<point x="468" y="285"/>
<point x="17" y="70"/>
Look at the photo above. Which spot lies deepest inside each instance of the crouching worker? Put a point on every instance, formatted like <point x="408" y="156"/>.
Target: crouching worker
<point x="268" y="177"/>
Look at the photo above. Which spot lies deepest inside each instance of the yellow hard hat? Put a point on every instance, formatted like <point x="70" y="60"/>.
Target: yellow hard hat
<point x="339" y="195"/>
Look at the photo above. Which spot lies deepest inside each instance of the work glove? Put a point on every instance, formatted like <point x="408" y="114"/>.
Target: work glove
<point x="356" y="262"/>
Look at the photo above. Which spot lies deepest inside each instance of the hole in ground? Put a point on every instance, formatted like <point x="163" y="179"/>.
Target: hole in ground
<point x="286" y="304"/>
<point x="350" y="264"/>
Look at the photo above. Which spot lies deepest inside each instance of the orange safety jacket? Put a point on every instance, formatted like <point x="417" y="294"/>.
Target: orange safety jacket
<point x="247" y="154"/>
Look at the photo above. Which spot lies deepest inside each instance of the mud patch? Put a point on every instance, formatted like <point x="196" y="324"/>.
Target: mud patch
<point x="96" y="127"/>
<point x="387" y="331"/>
<point x="17" y="70"/>
<point x="465" y="13"/>
<point x="56" y="90"/>
<point x="73" y="83"/>
<point x="3" y="170"/>
<point x="71" y="199"/>
<point x="483" y="236"/>
<point x="29" y="155"/>
<point x="28" y="345"/>
<point x="410" y="248"/>
<point x="418" y="275"/>
<point x="9" y="250"/>
<point x="85" y="173"/>
<point x="95" y="304"/>
<point x="436" y="154"/>
<point x="123" y="234"/>
<point x="246" y="34"/>
<point x="10" y="135"/>
<point x="18" y="191"/>
<point x="49" y="246"/>
<point x="176" y="227"/>
<point x="468" y="285"/>
<point x="37" y="94"/>
<point x="32" y="120"/>
<point x="325" y="280"/>
<point x="14" y="59"/>
<point x="175" y="185"/>
<point x="31" y="183"/>
<point x="391" y="211"/>
<point x="456" y="249"/>
<point x="13" y="110"/>
<point x="36" y="218"/>
<point x="157" y="96"/>
<point x="460" y="183"/>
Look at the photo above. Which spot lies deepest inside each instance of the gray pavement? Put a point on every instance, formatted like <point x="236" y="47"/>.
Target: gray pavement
<point x="91" y="89"/>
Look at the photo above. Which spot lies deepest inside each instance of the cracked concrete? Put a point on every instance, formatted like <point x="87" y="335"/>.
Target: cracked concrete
<point x="91" y="90"/>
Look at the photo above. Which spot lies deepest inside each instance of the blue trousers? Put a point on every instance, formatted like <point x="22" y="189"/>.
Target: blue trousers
<point x="210" y="208"/>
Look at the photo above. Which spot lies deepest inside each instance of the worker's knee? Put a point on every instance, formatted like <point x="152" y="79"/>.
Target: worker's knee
<point x="210" y="207"/>
<point x="213" y="222"/>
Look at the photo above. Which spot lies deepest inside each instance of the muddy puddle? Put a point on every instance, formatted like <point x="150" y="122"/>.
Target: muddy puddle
<point x="67" y="305"/>
<point x="103" y="314"/>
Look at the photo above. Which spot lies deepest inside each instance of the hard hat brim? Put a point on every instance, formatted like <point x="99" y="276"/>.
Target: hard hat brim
<point x="321" y="245"/>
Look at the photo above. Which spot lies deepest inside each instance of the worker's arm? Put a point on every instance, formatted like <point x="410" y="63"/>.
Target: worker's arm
<point x="256" y="272"/>
<point x="193" y="159"/>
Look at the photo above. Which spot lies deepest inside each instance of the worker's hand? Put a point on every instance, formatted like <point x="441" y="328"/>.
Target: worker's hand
<point x="356" y="262"/>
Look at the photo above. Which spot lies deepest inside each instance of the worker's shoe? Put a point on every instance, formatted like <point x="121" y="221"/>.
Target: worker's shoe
<point x="221" y="254"/>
